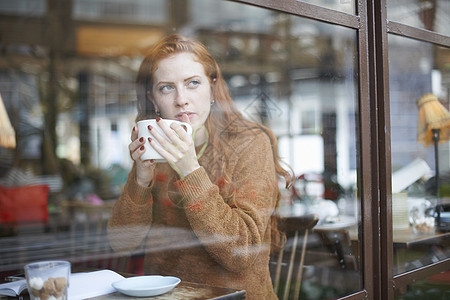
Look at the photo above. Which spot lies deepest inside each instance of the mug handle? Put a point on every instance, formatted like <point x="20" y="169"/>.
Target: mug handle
<point x="188" y="127"/>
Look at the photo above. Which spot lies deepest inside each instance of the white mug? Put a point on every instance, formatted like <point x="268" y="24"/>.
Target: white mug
<point x="150" y="152"/>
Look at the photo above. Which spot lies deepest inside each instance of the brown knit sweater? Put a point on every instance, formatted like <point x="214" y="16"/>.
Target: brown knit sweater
<point x="204" y="229"/>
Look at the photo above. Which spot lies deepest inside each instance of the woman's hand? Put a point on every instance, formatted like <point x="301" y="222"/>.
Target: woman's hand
<point x="180" y="150"/>
<point x="144" y="168"/>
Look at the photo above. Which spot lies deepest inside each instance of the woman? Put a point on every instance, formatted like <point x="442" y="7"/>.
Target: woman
<point x="206" y="215"/>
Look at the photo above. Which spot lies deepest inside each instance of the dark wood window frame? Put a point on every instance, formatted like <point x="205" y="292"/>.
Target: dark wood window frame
<point x="373" y="27"/>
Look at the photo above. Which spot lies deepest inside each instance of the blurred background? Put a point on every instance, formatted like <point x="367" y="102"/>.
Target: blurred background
<point x="67" y="72"/>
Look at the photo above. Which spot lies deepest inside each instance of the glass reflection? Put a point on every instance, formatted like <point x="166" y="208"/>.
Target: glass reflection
<point x="417" y="70"/>
<point x="430" y="15"/>
<point x="433" y="287"/>
<point x="347" y="6"/>
<point x="296" y="76"/>
<point x="299" y="79"/>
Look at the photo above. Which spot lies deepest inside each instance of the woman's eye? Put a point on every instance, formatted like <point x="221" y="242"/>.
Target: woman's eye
<point x="165" y="88"/>
<point x="193" y="83"/>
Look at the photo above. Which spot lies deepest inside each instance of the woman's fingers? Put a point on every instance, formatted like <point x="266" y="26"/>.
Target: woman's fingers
<point x="168" y="131"/>
<point x="144" y="168"/>
<point x="163" y="150"/>
<point x="136" y="147"/>
<point x="163" y="146"/>
<point x="176" y="146"/>
<point x="135" y="155"/>
<point x="134" y="133"/>
<point x="181" y="132"/>
<point x="175" y="143"/>
<point x="186" y="119"/>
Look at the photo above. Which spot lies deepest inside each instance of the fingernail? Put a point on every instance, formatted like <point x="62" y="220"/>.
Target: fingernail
<point x="150" y="127"/>
<point x="134" y="128"/>
<point x="149" y="139"/>
<point x="141" y="139"/>
<point x="142" y="148"/>
<point x="158" y="119"/>
<point x="152" y="160"/>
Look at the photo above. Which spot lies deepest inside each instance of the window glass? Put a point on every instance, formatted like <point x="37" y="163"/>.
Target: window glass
<point x="430" y="15"/>
<point x="116" y="11"/>
<point x="23" y="7"/>
<point x="347" y="6"/>
<point x="432" y="287"/>
<point x="73" y="104"/>
<point x="418" y="79"/>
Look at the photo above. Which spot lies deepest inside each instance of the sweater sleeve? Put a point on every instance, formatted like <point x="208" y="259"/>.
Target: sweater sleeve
<point x="233" y="231"/>
<point x="131" y="216"/>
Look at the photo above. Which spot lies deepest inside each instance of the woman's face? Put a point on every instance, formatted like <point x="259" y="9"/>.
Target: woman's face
<point x="180" y="86"/>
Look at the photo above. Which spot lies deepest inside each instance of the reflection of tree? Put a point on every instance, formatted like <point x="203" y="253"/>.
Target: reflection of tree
<point x="427" y="13"/>
<point x="83" y="79"/>
<point x="35" y="93"/>
<point x="59" y="14"/>
<point x="20" y="95"/>
<point x="26" y="100"/>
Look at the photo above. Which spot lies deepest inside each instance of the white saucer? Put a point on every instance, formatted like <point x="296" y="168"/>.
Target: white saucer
<point x="338" y="222"/>
<point x="146" y="286"/>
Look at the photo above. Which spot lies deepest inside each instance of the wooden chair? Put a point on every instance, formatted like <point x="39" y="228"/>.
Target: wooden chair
<point x="293" y="227"/>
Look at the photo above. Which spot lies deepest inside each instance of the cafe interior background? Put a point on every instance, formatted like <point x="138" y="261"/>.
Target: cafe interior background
<point x="67" y="71"/>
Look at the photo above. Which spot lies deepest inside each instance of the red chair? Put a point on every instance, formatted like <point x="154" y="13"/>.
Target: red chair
<point x="24" y="205"/>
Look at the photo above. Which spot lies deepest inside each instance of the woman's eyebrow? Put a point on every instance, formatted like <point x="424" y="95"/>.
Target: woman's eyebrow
<point x="189" y="78"/>
<point x="170" y="82"/>
<point x="163" y="82"/>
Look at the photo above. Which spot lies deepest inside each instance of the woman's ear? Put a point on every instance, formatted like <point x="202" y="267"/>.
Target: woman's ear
<point x="150" y="98"/>
<point x="213" y="84"/>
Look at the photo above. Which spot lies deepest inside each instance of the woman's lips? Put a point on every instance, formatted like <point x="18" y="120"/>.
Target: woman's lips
<point x="180" y="115"/>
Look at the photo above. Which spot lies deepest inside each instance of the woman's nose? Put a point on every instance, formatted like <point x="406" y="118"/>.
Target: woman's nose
<point x="181" y="98"/>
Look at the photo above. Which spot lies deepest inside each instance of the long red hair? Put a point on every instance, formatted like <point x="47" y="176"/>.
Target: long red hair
<point x="224" y="119"/>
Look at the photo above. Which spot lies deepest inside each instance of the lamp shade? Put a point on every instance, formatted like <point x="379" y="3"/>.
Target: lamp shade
<point x="432" y="115"/>
<point x="7" y="134"/>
